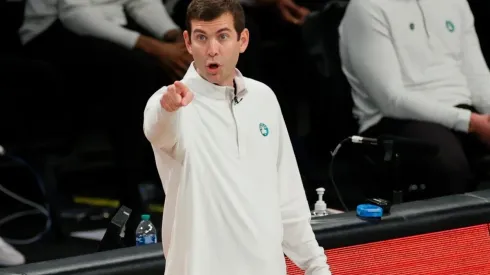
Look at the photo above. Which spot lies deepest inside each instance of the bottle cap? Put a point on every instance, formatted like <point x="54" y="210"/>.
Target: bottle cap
<point x="369" y="211"/>
<point x="145" y="217"/>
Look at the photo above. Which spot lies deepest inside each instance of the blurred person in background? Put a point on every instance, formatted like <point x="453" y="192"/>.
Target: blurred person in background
<point x="132" y="29"/>
<point x="113" y="56"/>
<point x="417" y="71"/>
<point x="23" y="100"/>
<point x="20" y="101"/>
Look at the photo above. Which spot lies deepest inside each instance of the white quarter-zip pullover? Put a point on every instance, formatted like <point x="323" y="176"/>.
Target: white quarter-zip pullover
<point x="98" y="18"/>
<point x="413" y="59"/>
<point x="234" y="197"/>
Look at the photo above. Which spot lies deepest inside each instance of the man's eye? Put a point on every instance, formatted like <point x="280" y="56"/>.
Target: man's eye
<point x="201" y="37"/>
<point x="223" y="36"/>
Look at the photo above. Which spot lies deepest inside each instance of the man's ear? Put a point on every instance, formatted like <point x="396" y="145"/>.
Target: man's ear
<point x="187" y="40"/>
<point x="244" y="38"/>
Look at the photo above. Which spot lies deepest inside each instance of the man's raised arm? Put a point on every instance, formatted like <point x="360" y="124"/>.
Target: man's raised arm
<point x="162" y="115"/>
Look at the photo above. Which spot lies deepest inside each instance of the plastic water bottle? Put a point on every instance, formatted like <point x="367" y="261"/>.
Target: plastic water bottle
<point x="146" y="232"/>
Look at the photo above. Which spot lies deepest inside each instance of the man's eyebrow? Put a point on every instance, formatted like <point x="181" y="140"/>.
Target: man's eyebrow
<point x="199" y="31"/>
<point x="223" y="30"/>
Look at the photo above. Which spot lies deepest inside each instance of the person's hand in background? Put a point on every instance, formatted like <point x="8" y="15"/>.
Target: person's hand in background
<point x="173" y="56"/>
<point x="480" y="126"/>
<point x="174" y="35"/>
<point x="291" y="12"/>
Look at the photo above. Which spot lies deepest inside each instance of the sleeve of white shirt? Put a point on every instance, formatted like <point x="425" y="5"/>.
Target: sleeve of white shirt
<point x="82" y="18"/>
<point x="160" y="126"/>
<point x="299" y="242"/>
<point x="367" y="42"/>
<point x="152" y="16"/>
<point x="474" y="65"/>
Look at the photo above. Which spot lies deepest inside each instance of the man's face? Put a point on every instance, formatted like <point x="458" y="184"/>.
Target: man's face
<point x="215" y="46"/>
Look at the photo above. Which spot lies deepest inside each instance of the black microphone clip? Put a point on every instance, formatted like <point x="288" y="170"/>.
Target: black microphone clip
<point x="236" y="101"/>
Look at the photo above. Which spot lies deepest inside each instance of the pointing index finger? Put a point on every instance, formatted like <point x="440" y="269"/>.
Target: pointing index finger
<point x="181" y="88"/>
<point x="171" y="89"/>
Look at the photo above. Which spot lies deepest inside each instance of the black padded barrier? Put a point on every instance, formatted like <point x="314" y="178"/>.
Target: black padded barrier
<point x="406" y="219"/>
<point x="147" y="260"/>
<point x="333" y="231"/>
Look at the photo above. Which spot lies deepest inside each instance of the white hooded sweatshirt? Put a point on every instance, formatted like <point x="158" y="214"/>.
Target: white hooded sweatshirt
<point x="234" y="197"/>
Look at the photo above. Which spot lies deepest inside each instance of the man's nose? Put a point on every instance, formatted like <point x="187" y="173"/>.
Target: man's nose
<point x="213" y="48"/>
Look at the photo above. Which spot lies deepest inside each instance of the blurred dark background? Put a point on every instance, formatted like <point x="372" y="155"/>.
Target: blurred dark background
<point x="69" y="123"/>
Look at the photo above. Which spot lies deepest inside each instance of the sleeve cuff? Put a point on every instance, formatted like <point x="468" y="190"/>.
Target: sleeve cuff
<point x="463" y="121"/>
<point x="131" y="39"/>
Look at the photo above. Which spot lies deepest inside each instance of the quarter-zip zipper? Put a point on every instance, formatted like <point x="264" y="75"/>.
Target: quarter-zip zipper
<point x="233" y="104"/>
<point x="423" y="18"/>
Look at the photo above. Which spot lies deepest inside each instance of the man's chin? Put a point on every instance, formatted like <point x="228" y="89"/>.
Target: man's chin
<point x="214" y="78"/>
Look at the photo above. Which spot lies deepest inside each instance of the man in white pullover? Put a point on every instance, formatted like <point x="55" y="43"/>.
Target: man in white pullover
<point x="234" y="202"/>
<point x="416" y="70"/>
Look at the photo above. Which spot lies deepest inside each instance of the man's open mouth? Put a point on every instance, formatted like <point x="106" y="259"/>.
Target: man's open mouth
<point x="213" y="66"/>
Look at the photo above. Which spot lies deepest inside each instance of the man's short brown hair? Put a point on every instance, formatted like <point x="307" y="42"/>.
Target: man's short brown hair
<point x="208" y="10"/>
